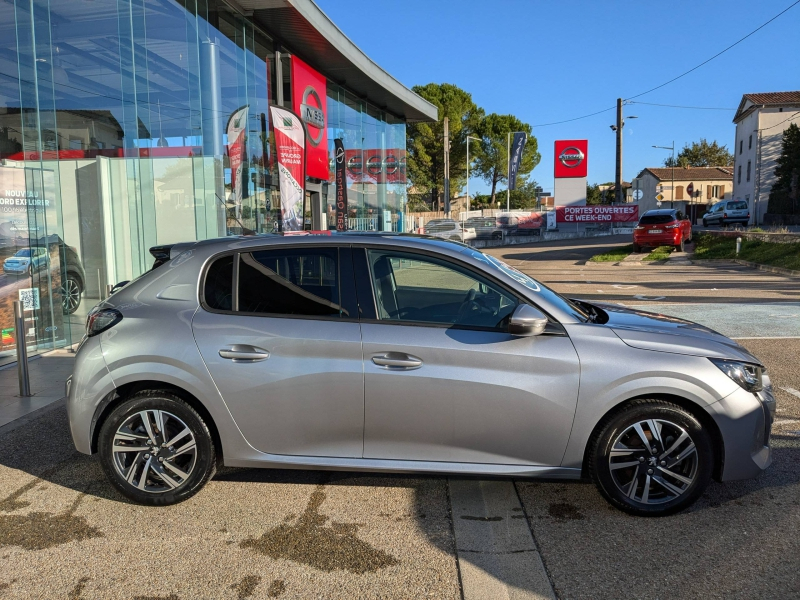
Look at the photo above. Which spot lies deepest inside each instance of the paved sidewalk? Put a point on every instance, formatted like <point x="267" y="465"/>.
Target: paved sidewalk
<point x="48" y="373"/>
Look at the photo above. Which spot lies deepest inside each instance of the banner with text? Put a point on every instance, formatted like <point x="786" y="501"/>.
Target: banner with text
<point x="597" y="214"/>
<point x="341" y="186"/>
<point x="309" y="96"/>
<point x="517" y="146"/>
<point x="237" y="155"/>
<point x="290" y="139"/>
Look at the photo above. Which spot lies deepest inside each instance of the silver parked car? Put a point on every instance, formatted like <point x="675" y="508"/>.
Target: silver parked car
<point x="389" y="352"/>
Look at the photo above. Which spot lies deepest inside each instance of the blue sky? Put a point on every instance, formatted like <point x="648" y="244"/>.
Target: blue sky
<point x="552" y="61"/>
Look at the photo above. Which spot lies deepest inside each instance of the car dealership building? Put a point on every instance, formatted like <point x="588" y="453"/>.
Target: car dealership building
<point x="134" y="123"/>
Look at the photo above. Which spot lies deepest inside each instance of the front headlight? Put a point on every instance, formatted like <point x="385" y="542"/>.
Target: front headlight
<point x="747" y="375"/>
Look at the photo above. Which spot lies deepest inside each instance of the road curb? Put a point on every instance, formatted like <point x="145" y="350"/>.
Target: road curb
<point x="752" y="265"/>
<point x="497" y="554"/>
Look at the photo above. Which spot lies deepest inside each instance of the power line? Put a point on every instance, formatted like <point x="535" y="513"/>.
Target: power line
<point x="792" y="116"/>
<point x="579" y="118"/>
<point x="705" y="62"/>
<point x="680" y="106"/>
<point x="736" y="43"/>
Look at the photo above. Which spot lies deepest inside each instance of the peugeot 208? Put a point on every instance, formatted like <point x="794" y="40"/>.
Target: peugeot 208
<point x="390" y="352"/>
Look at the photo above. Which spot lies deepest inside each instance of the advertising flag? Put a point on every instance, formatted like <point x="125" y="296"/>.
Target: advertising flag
<point x="290" y="139"/>
<point x="309" y="94"/>
<point x="517" y="146"/>
<point x="237" y="153"/>
<point x="341" y="186"/>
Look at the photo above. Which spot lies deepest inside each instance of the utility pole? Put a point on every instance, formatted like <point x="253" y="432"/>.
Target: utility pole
<point x="446" y="167"/>
<point x="618" y="172"/>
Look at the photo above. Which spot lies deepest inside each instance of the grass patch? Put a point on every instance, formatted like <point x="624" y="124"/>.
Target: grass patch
<point x="786" y="256"/>
<point x="660" y="253"/>
<point x="615" y="255"/>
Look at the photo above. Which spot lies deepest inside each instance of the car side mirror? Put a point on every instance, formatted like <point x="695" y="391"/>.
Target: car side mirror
<point x="527" y="320"/>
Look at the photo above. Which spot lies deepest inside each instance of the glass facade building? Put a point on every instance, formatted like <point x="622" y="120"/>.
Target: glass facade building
<point x="113" y="120"/>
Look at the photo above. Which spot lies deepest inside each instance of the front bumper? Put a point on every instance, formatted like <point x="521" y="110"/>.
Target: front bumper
<point x="745" y="422"/>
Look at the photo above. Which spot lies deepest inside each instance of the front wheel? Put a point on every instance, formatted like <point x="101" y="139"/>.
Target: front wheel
<point x="156" y="449"/>
<point x="705" y="223"/>
<point x="680" y="247"/>
<point x="651" y="459"/>
<point x="70" y="295"/>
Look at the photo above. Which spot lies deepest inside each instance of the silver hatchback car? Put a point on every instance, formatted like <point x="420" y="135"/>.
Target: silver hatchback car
<point x="387" y="352"/>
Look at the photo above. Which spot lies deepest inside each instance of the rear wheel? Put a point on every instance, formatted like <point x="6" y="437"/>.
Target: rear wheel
<point x="156" y="449"/>
<point x="651" y="459"/>
<point x="636" y="248"/>
<point x="681" y="246"/>
<point x="71" y="294"/>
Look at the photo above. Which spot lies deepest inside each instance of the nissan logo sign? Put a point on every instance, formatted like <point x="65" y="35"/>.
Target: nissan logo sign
<point x="313" y="115"/>
<point x="571" y="157"/>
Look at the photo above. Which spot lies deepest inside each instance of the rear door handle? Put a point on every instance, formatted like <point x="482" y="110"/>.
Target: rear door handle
<point x="244" y="353"/>
<point x="397" y="361"/>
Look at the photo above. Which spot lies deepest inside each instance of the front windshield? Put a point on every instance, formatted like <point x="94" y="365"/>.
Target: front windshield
<point x="24" y="252"/>
<point x="565" y="304"/>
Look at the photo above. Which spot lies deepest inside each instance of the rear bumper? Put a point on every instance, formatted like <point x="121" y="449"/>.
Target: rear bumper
<point x="661" y="239"/>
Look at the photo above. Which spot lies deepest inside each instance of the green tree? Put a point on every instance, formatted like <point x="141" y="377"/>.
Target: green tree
<point x="425" y="141"/>
<point x="593" y="194"/>
<point x="784" y="197"/>
<point x="491" y="159"/>
<point x="701" y="154"/>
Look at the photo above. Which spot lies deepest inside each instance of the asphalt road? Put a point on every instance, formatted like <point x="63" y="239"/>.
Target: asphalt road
<point x="65" y="533"/>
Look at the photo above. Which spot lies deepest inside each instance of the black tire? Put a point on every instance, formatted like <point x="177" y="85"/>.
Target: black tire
<point x="671" y="417"/>
<point x="204" y="462"/>
<point x="705" y="223"/>
<point x="30" y="270"/>
<point x="497" y="235"/>
<point x="636" y="248"/>
<point x="680" y="247"/>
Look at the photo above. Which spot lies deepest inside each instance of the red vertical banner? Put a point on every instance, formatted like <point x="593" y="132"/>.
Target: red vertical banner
<point x="290" y="153"/>
<point x="237" y="140"/>
<point x="309" y="100"/>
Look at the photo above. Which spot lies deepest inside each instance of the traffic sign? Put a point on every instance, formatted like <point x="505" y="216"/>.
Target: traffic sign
<point x="690" y="189"/>
<point x="660" y="197"/>
<point x="637" y="194"/>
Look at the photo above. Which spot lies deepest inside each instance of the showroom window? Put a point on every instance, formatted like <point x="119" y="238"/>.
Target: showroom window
<point x="291" y="282"/>
<point x="422" y="289"/>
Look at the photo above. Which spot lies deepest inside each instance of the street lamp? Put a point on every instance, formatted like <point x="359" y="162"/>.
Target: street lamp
<point x="469" y="137"/>
<point x="672" y="195"/>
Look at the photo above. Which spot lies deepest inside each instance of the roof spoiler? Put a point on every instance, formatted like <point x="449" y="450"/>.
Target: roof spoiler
<point x="161" y="254"/>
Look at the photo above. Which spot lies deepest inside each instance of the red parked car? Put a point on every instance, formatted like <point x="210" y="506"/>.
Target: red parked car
<point x="663" y="227"/>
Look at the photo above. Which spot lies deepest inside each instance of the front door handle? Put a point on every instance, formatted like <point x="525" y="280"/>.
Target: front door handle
<point x="244" y="353"/>
<point x="397" y="361"/>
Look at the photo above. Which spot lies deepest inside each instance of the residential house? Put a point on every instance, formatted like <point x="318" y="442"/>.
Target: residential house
<point x="709" y="185"/>
<point x="760" y="122"/>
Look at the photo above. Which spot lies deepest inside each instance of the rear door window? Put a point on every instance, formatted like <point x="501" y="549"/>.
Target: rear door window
<point x="656" y="219"/>
<point x="291" y="282"/>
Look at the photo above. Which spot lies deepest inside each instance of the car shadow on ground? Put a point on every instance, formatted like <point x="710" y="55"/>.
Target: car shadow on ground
<point x="43" y="450"/>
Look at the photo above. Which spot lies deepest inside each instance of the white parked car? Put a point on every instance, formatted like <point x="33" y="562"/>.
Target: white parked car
<point x="449" y="229"/>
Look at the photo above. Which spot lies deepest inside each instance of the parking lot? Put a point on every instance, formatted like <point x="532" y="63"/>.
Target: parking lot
<point x="66" y="533"/>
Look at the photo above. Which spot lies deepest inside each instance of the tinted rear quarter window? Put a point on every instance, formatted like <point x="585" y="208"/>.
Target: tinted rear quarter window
<point x="218" y="289"/>
<point x="737" y="205"/>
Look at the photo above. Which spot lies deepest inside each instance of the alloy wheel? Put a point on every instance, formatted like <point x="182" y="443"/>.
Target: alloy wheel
<point x="653" y="461"/>
<point x="154" y="451"/>
<point x="70" y="295"/>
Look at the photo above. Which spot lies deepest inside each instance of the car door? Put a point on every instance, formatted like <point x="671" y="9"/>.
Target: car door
<point x="283" y="346"/>
<point x="445" y="381"/>
<point x="716" y="213"/>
